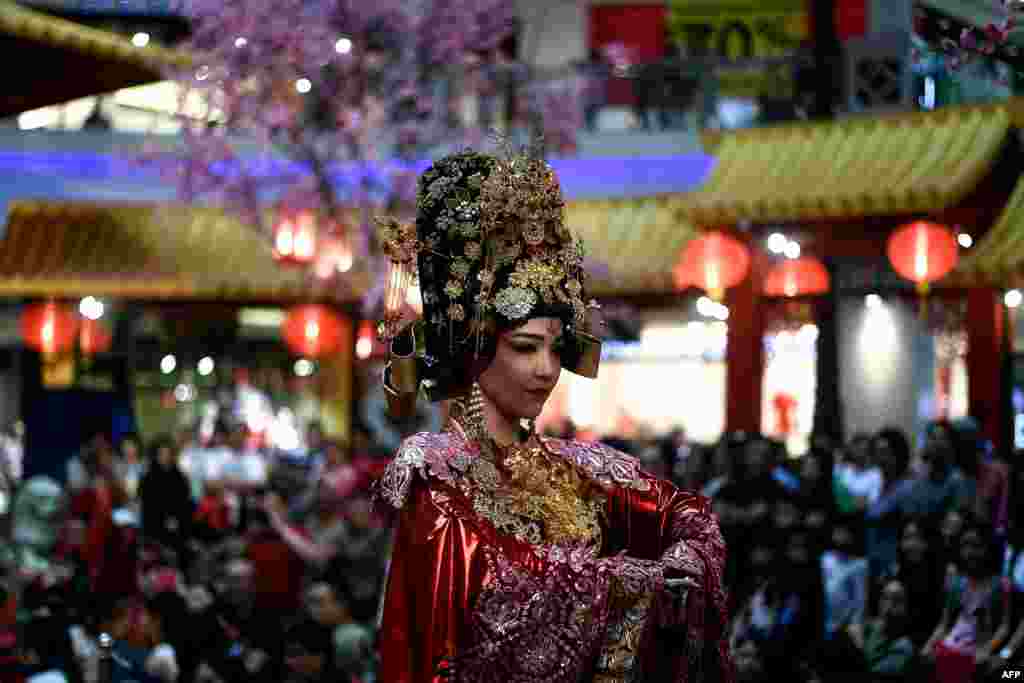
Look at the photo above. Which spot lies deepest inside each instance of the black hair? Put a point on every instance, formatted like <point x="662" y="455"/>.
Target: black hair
<point x="898" y="443"/>
<point x="159" y="442"/>
<point x="984" y="529"/>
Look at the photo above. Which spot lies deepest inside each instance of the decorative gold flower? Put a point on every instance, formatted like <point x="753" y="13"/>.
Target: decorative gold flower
<point x="515" y="303"/>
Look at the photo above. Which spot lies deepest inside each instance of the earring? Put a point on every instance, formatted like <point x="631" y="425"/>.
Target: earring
<point x="469" y="410"/>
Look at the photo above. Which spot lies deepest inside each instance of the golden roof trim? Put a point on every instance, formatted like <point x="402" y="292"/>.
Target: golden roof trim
<point x="894" y="164"/>
<point x="33" y="25"/>
<point x="150" y="251"/>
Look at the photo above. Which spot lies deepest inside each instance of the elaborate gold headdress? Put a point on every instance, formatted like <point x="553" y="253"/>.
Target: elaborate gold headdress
<point x="491" y="249"/>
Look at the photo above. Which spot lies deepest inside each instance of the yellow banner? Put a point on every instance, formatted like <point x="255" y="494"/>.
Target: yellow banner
<point x="743" y="31"/>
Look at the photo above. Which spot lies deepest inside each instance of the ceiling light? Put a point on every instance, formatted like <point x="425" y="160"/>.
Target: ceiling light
<point x="206" y="366"/>
<point x="777" y="243"/>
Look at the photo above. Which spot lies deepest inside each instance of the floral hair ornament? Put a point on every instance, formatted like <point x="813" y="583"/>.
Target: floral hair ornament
<point x="491" y="250"/>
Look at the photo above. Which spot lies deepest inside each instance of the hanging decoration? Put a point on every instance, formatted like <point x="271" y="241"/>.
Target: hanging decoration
<point x="923" y="252"/>
<point x="313" y="331"/>
<point x="94" y="338"/>
<point x="49" y="328"/>
<point x="713" y="262"/>
<point x="805" y="276"/>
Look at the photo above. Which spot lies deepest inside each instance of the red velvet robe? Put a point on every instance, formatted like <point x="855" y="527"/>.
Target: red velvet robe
<point x="446" y="590"/>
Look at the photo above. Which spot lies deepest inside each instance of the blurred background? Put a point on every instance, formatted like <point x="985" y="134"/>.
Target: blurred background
<point x="802" y="223"/>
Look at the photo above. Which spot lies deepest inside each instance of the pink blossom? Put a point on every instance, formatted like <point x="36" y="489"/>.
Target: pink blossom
<point x="303" y="89"/>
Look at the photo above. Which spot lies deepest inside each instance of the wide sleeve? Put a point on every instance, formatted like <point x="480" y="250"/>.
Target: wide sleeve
<point x="435" y="572"/>
<point x="654" y="520"/>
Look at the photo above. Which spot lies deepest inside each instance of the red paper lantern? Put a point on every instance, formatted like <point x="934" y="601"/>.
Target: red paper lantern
<point x="923" y="252"/>
<point x="94" y="338"/>
<point x="713" y="262"/>
<point x="805" y="276"/>
<point x="313" y="331"/>
<point x="295" y="237"/>
<point x="49" y="328"/>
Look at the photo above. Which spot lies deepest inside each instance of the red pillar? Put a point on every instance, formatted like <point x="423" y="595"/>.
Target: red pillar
<point x="744" y="355"/>
<point x="985" y="321"/>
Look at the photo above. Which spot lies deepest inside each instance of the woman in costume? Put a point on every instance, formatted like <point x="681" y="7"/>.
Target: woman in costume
<point x="520" y="558"/>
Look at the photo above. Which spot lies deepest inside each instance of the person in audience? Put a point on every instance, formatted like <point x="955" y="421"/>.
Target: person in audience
<point x="746" y="504"/>
<point x="884" y="518"/>
<point x="887" y="651"/>
<point x="354" y="658"/>
<point x="943" y="485"/>
<point x="950" y="527"/>
<point x="861" y="477"/>
<point x="130" y="466"/>
<point x="921" y="567"/>
<point x="844" y="570"/>
<point x="309" y="653"/>
<point x="988" y="480"/>
<point x="325" y="530"/>
<point x="166" y="497"/>
<point x="976" y="618"/>
<point x="747" y="658"/>
<point x="817" y="493"/>
<point x="212" y="519"/>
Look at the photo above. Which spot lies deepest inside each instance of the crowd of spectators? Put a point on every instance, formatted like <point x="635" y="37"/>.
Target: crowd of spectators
<point x="870" y="560"/>
<point x="219" y="561"/>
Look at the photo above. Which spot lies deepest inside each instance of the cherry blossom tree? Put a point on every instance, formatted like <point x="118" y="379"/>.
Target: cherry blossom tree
<point x="964" y="44"/>
<point x="325" y="105"/>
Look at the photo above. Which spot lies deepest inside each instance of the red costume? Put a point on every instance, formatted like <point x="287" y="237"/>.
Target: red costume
<point x="510" y="610"/>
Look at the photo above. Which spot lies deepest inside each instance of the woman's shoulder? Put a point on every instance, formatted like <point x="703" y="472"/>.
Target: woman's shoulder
<point x="424" y="455"/>
<point x="607" y="465"/>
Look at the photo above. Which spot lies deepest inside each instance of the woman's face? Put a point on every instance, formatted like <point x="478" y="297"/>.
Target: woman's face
<point x="914" y="544"/>
<point x="810" y="469"/>
<point x="972" y="551"/>
<point x="892" y="603"/>
<point x="952" y="525"/>
<point x="757" y="458"/>
<point x="938" y="451"/>
<point x="165" y="456"/>
<point x="130" y="450"/>
<point x="525" y="368"/>
<point x="335" y="456"/>
<point x="798" y="554"/>
<point x="762" y="564"/>
<point x="786" y="515"/>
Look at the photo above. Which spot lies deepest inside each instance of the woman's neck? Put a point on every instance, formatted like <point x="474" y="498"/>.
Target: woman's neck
<point x="500" y="427"/>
